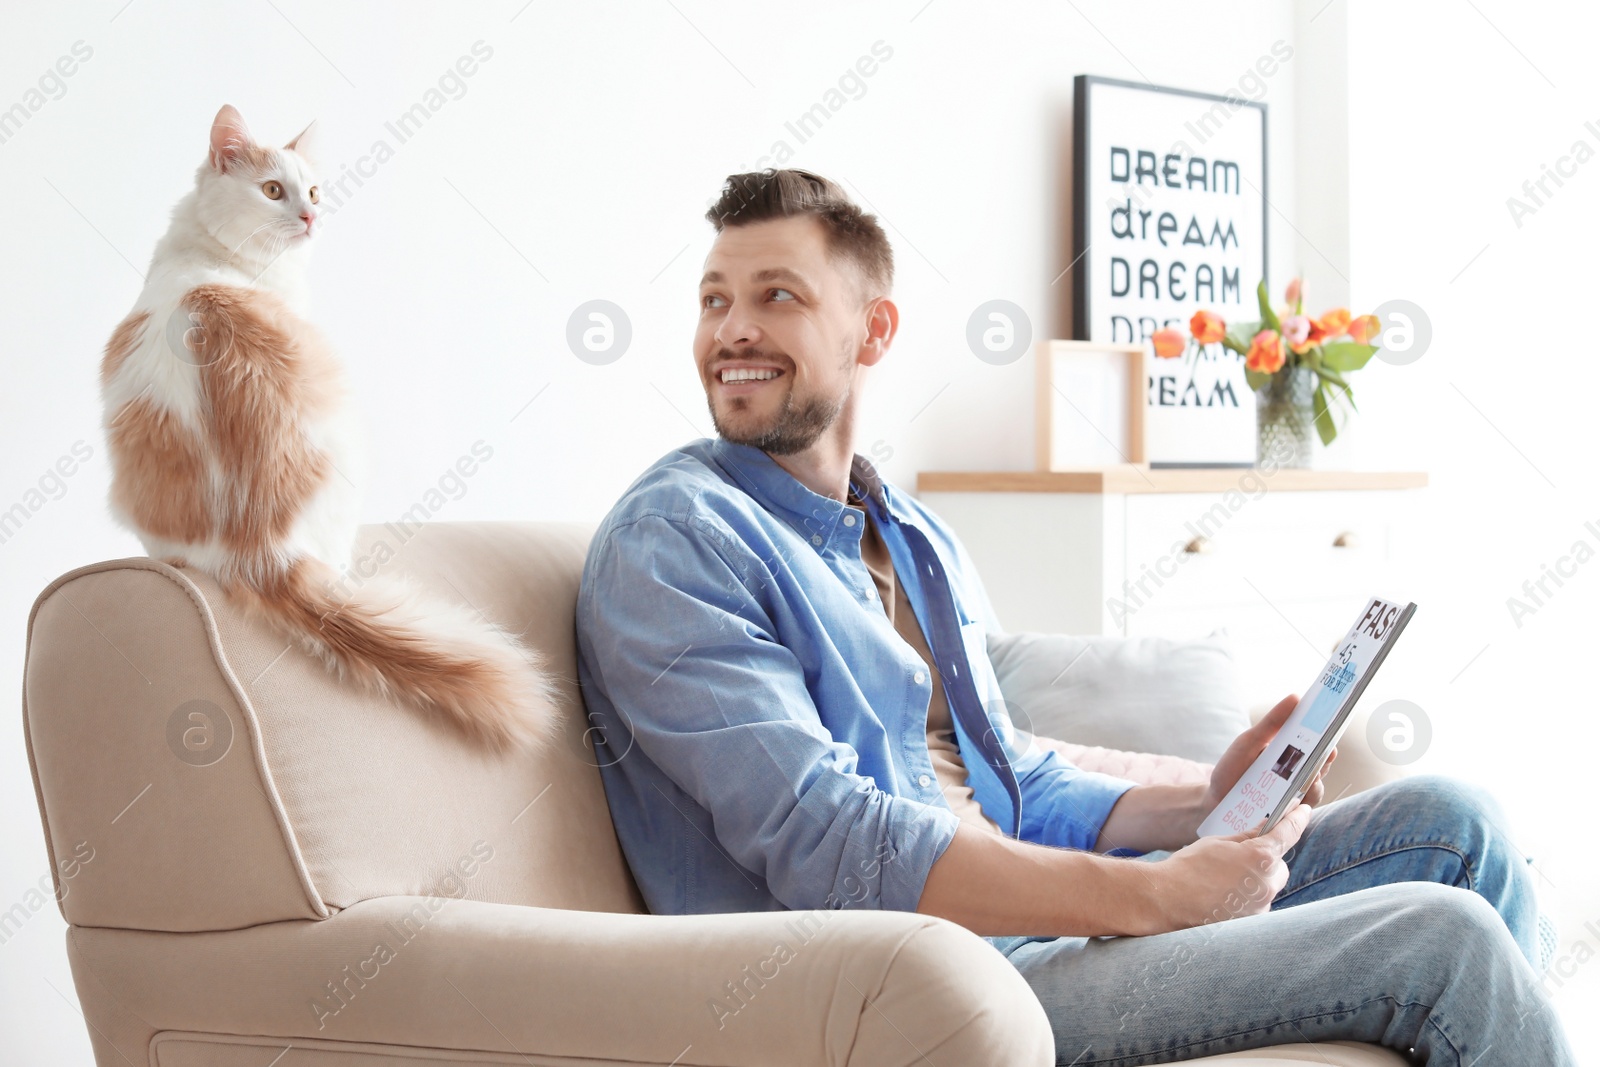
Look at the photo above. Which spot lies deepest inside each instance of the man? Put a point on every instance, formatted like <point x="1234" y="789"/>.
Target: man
<point x="784" y="658"/>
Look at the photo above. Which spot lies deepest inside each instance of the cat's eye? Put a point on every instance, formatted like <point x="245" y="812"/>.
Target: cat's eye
<point x="314" y="196"/>
<point x="273" y="190"/>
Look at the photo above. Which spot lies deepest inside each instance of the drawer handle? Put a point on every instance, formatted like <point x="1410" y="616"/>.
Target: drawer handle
<point x="1347" y="539"/>
<point x="1198" y="546"/>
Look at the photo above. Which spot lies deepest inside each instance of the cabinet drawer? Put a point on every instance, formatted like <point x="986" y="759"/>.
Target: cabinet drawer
<point x="1216" y="549"/>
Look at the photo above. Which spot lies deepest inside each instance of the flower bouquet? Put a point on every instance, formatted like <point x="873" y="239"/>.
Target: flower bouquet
<point x="1292" y="361"/>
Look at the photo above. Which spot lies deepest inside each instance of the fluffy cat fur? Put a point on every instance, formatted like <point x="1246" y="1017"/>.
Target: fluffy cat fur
<point x="233" y="450"/>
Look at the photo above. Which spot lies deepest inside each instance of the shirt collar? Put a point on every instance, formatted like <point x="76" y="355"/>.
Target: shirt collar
<point x="814" y="516"/>
<point x="866" y="478"/>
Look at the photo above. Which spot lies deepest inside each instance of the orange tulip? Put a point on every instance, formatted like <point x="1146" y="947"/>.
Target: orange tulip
<point x="1266" y="352"/>
<point x="1207" y="327"/>
<point x="1169" y="343"/>
<point x="1294" y="291"/>
<point x="1335" y="322"/>
<point x="1364" y="329"/>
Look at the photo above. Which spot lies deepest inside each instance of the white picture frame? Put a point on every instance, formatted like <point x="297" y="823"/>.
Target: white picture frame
<point x="1088" y="405"/>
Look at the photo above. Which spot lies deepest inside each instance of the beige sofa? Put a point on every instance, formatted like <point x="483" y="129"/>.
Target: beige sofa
<point x="260" y="867"/>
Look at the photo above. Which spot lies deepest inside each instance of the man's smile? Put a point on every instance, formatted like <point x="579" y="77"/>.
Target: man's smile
<point x="743" y="379"/>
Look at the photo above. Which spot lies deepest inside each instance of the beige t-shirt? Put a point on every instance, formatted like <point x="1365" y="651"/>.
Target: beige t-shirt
<point x="943" y="749"/>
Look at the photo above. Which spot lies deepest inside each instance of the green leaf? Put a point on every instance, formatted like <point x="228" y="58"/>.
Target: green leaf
<point x="1322" y="415"/>
<point x="1240" y="335"/>
<point x="1269" y="318"/>
<point x="1256" y="379"/>
<point x="1346" y="355"/>
<point x="1329" y="376"/>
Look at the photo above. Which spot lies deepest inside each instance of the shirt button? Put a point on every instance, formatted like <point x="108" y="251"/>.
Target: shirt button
<point x="919" y="677"/>
<point x="816" y="539"/>
<point x="923" y="780"/>
<point x="849" y="520"/>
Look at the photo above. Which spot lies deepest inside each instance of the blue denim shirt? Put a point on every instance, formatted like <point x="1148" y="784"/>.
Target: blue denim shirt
<point x="761" y="728"/>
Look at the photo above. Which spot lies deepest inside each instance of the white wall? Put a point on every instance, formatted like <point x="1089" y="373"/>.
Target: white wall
<point x="577" y="165"/>
<point x="1451" y="108"/>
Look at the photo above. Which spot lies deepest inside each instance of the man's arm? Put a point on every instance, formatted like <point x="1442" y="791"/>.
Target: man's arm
<point x="1149" y="818"/>
<point x="997" y="886"/>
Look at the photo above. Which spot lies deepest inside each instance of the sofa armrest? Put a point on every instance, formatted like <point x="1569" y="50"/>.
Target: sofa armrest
<point x="784" y="987"/>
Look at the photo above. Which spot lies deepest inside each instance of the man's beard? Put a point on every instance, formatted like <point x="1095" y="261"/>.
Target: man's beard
<point x="795" y="429"/>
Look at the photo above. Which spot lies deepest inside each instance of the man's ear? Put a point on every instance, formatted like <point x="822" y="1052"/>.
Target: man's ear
<point x="230" y="139"/>
<point x="882" y="320"/>
<point x="308" y="143"/>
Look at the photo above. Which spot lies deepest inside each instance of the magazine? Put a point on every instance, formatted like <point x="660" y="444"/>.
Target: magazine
<point x="1284" y="771"/>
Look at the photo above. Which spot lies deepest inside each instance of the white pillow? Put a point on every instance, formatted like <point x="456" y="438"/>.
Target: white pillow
<point x="1141" y="694"/>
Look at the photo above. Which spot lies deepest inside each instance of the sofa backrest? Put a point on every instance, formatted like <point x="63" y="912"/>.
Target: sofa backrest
<point x="197" y="772"/>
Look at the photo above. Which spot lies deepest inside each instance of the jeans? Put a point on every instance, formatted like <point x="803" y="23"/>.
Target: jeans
<point x="1409" y="920"/>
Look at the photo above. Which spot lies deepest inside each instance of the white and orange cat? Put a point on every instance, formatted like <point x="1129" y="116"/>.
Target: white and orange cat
<point x="233" y="449"/>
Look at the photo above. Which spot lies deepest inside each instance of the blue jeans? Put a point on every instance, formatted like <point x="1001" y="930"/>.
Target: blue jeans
<point x="1409" y="920"/>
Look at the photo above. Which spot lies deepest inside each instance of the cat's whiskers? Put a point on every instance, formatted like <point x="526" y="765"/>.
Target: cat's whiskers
<point x="283" y="238"/>
<point x="234" y="253"/>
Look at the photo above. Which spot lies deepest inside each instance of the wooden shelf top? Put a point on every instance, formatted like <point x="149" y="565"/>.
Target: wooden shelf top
<point x="1132" y="479"/>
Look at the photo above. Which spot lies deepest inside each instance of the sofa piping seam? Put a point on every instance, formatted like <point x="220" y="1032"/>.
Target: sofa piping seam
<point x="230" y="680"/>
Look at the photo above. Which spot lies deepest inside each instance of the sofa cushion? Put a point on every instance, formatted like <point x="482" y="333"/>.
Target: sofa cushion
<point x="1146" y="768"/>
<point x="1137" y="694"/>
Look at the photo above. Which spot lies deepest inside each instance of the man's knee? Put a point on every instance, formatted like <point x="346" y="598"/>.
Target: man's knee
<point x="1428" y="915"/>
<point x="1442" y="794"/>
<point x="1446" y="807"/>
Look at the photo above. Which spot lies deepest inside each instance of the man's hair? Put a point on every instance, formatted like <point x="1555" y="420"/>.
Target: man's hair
<point x="853" y="234"/>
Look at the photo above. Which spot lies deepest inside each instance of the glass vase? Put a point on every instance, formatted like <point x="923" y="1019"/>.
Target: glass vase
<point x="1284" y="420"/>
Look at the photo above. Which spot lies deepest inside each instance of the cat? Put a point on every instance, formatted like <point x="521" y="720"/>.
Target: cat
<point x="234" y="450"/>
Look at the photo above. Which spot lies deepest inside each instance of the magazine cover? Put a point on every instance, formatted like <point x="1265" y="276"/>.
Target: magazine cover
<point x="1288" y="764"/>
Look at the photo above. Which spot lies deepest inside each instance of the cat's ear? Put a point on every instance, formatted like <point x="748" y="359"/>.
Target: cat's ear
<point x="230" y="138"/>
<point x="308" y="143"/>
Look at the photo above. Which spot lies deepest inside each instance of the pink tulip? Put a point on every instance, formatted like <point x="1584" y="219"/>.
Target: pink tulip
<point x="1297" y="332"/>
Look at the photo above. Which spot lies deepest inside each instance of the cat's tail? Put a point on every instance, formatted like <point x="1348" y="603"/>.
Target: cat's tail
<point x="445" y="660"/>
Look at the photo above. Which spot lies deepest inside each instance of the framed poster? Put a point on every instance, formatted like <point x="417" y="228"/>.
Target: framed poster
<point x="1170" y="217"/>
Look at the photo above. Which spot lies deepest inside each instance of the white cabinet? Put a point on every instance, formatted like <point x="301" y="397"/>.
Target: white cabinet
<point x="1281" y="560"/>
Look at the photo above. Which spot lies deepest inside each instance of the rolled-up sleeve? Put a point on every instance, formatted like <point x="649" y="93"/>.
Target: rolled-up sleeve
<point x="1063" y="805"/>
<point x="682" y="647"/>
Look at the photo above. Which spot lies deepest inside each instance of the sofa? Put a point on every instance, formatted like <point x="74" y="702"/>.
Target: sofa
<point x="259" y="865"/>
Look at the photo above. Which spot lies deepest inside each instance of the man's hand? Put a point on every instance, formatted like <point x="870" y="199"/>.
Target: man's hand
<point x="1219" y="878"/>
<point x="1250" y="744"/>
<point x="1151" y="817"/>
